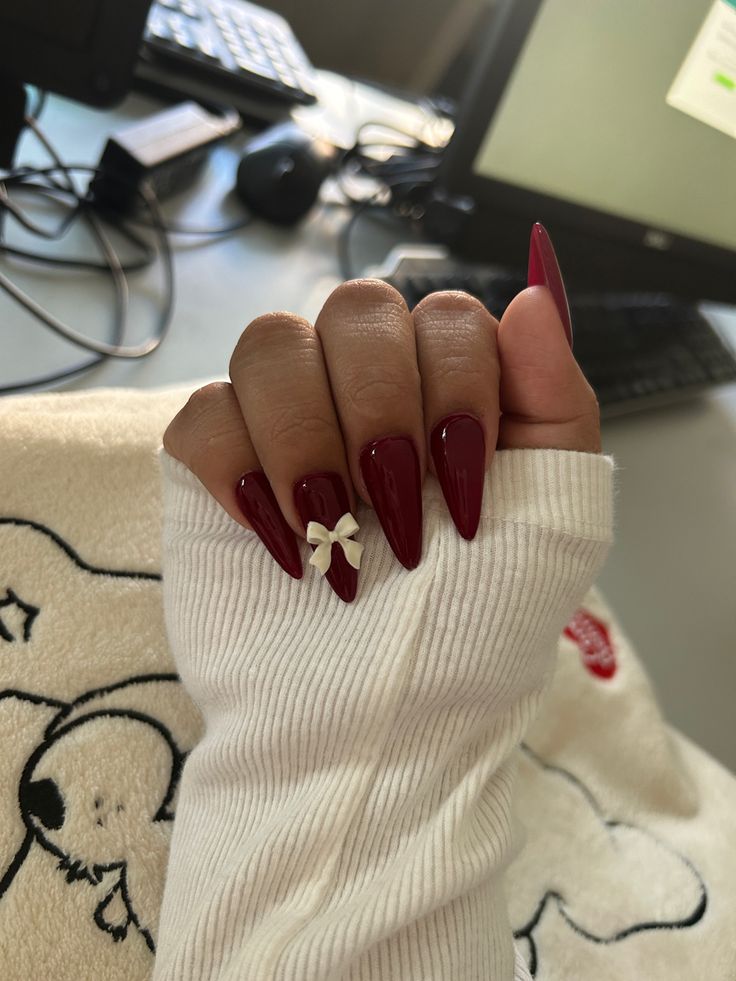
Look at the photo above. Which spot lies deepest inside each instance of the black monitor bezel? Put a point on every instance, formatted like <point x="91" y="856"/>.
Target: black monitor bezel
<point x="623" y="254"/>
<point x="98" y="73"/>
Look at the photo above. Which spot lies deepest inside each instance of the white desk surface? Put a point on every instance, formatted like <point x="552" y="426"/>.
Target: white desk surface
<point x="671" y="575"/>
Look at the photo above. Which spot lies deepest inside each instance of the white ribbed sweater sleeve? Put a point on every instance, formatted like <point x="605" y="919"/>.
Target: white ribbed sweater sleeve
<point x="348" y="812"/>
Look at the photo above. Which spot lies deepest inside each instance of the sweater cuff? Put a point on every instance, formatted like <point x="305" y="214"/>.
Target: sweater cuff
<point x="350" y="805"/>
<point x="562" y="490"/>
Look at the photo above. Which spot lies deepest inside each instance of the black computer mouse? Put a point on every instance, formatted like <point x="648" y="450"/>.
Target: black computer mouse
<point x="281" y="172"/>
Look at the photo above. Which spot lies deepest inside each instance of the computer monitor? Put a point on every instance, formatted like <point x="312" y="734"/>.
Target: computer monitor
<point x="83" y="49"/>
<point x="614" y="123"/>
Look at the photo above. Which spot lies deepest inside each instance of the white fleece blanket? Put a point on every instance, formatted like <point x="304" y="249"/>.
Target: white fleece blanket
<point x="629" y="865"/>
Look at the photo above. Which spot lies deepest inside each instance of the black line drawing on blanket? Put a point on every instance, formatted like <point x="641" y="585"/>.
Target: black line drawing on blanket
<point x="97" y="787"/>
<point x="26" y="613"/>
<point x="607" y="881"/>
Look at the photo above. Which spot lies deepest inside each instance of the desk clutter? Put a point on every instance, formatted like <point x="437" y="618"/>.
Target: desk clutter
<point x="636" y="260"/>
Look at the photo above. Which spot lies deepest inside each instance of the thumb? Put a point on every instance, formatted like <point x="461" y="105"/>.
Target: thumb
<point x="546" y="401"/>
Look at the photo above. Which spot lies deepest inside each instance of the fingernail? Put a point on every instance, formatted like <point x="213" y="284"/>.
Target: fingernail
<point x="322" y="497"/>
<point x="390" y="469"/>
<point x="544" y="270"/>
<point x="458" y="448"/>
<point x="258" y="503"/>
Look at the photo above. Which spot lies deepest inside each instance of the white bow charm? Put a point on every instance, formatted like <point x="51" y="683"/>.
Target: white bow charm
<point x="318" y="535"/>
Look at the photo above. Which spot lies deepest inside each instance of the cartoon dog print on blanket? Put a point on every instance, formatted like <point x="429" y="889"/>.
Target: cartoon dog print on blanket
<point x="94" y="735"/>
<point x="606" y="881"/>
<point x="91" y="779"/>
<point x="82" y="798"/>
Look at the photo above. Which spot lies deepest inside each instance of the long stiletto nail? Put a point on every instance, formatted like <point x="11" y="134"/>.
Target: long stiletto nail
<point x="458" y="448"/>
<point x="390" y="469"/>
<point x="322" y="497"/>
<point x="258" y="503"/>
<point x="544" y="270"/>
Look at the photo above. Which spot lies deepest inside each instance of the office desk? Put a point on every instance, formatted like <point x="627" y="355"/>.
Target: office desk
<point x="671" y="575"/>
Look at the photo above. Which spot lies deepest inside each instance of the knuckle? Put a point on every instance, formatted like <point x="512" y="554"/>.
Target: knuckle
<point x="178" y="434"/>
<point x="204" y="399"/>
<point x="171" y="438"/>
<point x="206" y="449"/>
<point x="455" y="320"/>
<point x="267" y="334"/>
<point x="369" y="393"/>
<point x="310" y="424"/>
<point x="457" y="337"/>
<point x="364" y="305"/>
<point x="447" y="304"/>
<point x="465" y="371"/>
<point x="357" y="292"/>
<point x="204" y="421"/>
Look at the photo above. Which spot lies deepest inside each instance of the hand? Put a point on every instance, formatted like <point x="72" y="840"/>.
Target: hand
<point x="361" y="404"/>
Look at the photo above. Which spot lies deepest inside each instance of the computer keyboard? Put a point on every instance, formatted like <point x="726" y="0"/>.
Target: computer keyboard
<point x="226" y="51"/>
<point x="636" y="350"/>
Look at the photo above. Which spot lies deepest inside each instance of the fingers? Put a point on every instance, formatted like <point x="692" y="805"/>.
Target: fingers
<point x="209" y="436"/>
<point x="368" y="341"/>
<point x="545" y="400"/>
<point x="280" y="380"/>
<point x="458" y="361"/>
<point x="364" y="401"/>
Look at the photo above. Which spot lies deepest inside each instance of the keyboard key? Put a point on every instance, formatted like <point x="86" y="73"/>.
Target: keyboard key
<point x="249" y="64"/>
<point x="159" y="29"/>
<point x="184" y="39"/>
<point x="207" y="48"/>
<point x="239" y="16"/>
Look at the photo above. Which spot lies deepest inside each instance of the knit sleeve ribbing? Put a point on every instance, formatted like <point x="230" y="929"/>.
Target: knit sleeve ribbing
<point x="348" y="813"/>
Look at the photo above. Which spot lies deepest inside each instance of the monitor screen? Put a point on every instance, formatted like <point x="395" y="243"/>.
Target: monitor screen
<point x="626" y="106"/>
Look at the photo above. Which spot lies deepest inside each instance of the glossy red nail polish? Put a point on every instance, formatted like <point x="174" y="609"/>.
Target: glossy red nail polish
<point x="544" y="270"/>
<point x="458" y="447"/>
<point x="390" y="469"/>
<point x="259" y="505"/>
<point x="322" y="497"/>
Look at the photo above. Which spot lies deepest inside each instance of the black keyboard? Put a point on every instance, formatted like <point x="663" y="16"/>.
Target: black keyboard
<point x="227" y="52"/>
<point x="636" y="350"/>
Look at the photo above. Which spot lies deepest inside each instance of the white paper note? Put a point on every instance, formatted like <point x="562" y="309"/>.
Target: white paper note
<point x="705" y="86"/>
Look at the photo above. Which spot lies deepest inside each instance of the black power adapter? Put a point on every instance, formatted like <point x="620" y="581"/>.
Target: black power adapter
<point x="165" y="151"/>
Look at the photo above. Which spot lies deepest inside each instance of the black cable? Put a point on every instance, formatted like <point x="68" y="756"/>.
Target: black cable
<point x="120" y="283"/>
<point x="74" y="262"/>
<point x="101" y="347"/>
<point x="164" y="318"/>
<point x="113" y="267"/>
<point x="343" y="241"/>
<point x="173" y="228"/>
<point x="79" y="262"/>
<point x="404" y="177"/>
<point x="17" y="213"/>
<point x="20" y="176"/>
<point x="52" y="379"/>
<point x="39" y="104"/>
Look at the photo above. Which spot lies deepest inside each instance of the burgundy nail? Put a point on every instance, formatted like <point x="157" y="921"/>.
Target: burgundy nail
<point x="322" y="497"/>
<point x="458" y="449"/>
<point x="258" y="503"/>
<point x="390" y="469"/>
<point x="544" y="270"/>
